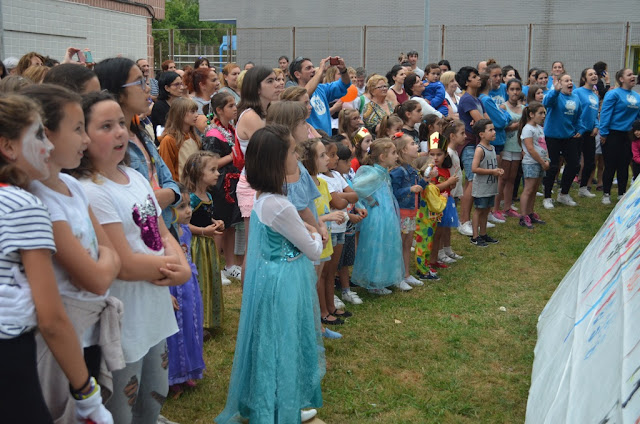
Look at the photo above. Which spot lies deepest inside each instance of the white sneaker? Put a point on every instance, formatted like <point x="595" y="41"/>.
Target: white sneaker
<point x="413" y="281"/>
<point x="382" y="291"/>
<point x="615" y="181"/>
<point x="351" y="297"/>
<point x="584" y="192"/>
<point x="466" y="229"/>
<point x="548" y="203"/>
<point x="308" y="414"/>
<point x="495" y="219"/>
<point x="538" y="194"/>
<point x="566" y="199"/>
<point x="444" y="258"/>
<point x="514" y="207"/>
<point x="403" y="286"/>
<point x="233" y="271"/>
<point x="490" y="225"/>
<point x="606" y="199"/>
<point x="225" y="280"/>
<point x="339" y="304"/>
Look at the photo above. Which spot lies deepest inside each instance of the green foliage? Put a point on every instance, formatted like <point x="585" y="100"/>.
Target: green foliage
<point x="182" y="15"/>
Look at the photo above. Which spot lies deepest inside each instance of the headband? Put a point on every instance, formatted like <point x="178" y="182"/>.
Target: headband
<point x="436" y="142"/>
<point x="360" y="134"/>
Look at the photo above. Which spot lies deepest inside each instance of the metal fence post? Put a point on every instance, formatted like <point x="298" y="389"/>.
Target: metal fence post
<point x="364" y="47"/>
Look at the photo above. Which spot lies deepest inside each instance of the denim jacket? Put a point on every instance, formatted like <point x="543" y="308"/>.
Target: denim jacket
<point x="164" y="175"/>
<point x="403" y="178"/>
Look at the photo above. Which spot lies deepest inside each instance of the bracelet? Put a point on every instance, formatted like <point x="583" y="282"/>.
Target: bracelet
<point x="82" y="395"/>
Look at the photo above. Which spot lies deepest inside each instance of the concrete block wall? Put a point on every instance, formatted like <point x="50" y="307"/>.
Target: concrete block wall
<point x="50" y="26"/>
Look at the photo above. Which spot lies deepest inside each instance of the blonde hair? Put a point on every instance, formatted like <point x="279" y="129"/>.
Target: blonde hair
<point x="240" y="79"/>
<point x="17" y="113"/>
<point x="330" y="75"/>
<point x="373" y="81"/>
<point x="36" y="73"/>
<point x="293" y="93"/>
<point x="289" y="113"/>
<point x="400" y="144"/>
<point x="447" y="77"/>
<point x="278" y="72"/>
<point x="378" y="148"/>
<point x="226" y="71"/>
<point x="344" y="120"/>
<point x="175" y="121"/>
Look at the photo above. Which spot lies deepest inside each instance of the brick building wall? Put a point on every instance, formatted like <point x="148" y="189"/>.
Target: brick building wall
<point x="107" y="27"/>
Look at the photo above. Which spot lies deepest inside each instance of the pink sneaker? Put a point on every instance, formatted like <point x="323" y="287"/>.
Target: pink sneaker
<point x="499" y="215"/>
<point x="511" y="213"/>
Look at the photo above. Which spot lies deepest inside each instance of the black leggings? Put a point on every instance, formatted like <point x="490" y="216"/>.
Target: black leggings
<point x="617" y="156"/>
<point x="569" y="148"/>
<point x="21" y="399"/>
<point x="589" y="157"/>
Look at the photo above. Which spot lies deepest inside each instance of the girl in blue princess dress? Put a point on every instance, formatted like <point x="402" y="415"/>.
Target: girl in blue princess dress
<point x="186" y="362"/>
<point x="378" y="261"/>
<point x="279" y="356"/>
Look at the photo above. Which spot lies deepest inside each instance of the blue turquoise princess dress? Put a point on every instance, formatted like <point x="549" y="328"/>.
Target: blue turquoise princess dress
<point x="279" y="357"/>
<point x="379" y="256"/>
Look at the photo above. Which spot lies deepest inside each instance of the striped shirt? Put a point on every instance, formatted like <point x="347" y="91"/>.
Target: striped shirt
<point x="24" y="225"/>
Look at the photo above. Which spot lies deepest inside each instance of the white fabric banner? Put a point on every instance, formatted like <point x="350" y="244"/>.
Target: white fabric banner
<point x="587" y="358"/>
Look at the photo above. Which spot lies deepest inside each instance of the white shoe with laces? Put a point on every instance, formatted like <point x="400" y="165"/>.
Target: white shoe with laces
<point x="548" y="203"/>
<point x="490" y="225"/>
<point x="454" y="255"/>
<point x="584" y="192"/>
<point x="339" y="304"/>
<point x="466" y="229"/>
<point x="495" y="219"/>
<point x="403" y="286"/>
<point x="565" y="199"/>
<point x="411" y="280"/>
<point x="606" y="199"/>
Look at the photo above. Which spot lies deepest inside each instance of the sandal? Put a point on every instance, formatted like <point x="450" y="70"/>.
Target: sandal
<point x="327" y="321"/>
<point x="344" y="314"/>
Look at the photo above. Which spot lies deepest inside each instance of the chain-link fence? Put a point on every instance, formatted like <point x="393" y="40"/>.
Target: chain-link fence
<point x="378" y="47"/>
<point x="184" y="46"/>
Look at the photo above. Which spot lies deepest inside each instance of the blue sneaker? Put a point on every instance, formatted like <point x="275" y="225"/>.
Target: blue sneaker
<point x="328" y="334"/>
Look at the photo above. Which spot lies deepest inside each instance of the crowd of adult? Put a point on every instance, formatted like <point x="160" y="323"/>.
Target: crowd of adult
<point x="200" y="130"/>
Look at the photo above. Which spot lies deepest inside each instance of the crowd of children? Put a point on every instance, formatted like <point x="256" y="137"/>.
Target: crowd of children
<point x="135" y="235"/>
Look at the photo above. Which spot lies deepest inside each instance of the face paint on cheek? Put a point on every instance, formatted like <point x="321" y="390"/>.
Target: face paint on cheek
<point x="36" y="148"/>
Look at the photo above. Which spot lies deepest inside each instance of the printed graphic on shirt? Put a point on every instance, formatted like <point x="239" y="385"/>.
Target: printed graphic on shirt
<point x="318" y="105"/>
<point x="632" y="100"/>
<point x="145" y="216"/>
<point x="570" y="105"/>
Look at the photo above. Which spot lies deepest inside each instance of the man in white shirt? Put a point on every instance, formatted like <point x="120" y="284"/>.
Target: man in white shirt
<point x="413" y="59"/>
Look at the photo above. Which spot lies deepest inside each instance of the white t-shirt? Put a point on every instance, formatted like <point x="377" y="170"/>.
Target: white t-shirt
<point x="539" y="143"/>
<point x="24" y="225"/>
<point x="455" y="170"/>
<point x="148" y="311"/>
<point x="74" y="210"/>
<point x="336" y="184"/>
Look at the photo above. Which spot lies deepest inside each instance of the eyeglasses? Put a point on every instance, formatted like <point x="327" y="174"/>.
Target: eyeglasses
<point x="382" y="87"/>
<point x="177" y="84"/>
<point x="140" y="81"/>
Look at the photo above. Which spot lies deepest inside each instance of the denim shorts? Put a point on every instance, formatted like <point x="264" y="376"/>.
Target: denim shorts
<point x="484" y="202"/>
<point x="532" y="170"/>
<point x="337" y="238"/>
<point x="466" y="158"/>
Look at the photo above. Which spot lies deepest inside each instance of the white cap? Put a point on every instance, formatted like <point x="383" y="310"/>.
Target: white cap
<point x="10" y="63"/>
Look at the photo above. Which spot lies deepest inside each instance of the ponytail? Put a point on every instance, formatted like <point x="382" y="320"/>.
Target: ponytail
<point x="407" y="107"/>
<point x="532" y="107"/>
<point x="387" y="122"/>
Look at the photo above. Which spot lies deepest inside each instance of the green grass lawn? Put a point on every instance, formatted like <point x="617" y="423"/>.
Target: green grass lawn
<point x="442" y="353"/>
